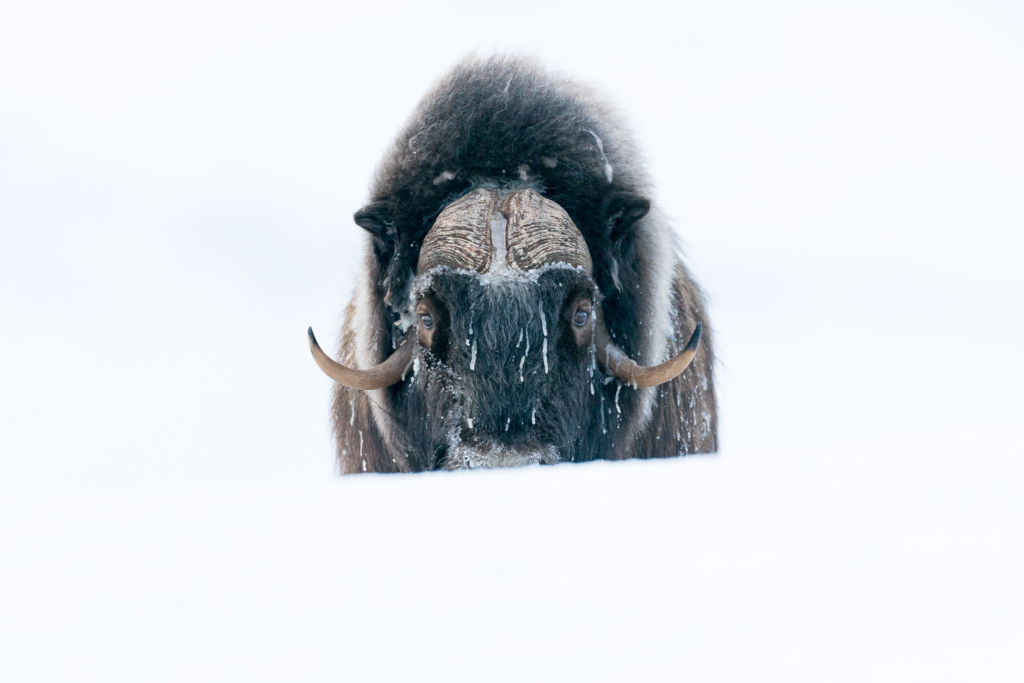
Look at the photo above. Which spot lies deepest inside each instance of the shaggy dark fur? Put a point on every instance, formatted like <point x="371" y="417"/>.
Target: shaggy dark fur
<point x="505" y="123"/>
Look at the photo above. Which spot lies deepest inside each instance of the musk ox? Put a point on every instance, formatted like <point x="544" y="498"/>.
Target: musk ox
<point x="520" y="300"/>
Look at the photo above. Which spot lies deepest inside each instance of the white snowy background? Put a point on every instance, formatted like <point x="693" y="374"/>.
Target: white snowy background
<point x="176" y="189"/>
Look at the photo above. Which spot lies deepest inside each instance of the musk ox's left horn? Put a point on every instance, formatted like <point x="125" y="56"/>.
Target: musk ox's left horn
<point x="384" y="375"/>
<point x="615" y="362"/>
<point x="541" y="232"/>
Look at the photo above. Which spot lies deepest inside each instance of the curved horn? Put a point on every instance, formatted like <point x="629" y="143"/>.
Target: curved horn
<point x="461" y="235"/>
<point x="387" y="373"/>
<point x="541" y="232"/>
<point x="615" y="362"/>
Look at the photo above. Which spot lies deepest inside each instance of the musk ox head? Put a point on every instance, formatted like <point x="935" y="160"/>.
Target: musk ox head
<point x="505" y="346"/>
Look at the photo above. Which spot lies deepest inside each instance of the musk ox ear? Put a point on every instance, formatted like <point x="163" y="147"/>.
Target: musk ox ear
<point x="376" y="219"/>
<point x="621" y="211"/>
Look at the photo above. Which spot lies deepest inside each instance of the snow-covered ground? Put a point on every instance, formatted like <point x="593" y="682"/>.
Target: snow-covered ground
<point x="176" y="191"/>
<point x="897" y="561"/>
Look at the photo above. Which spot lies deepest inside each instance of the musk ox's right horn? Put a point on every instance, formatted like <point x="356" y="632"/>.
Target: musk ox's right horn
<point x="614" y="361"/>
<point x="387" y="373"/>
<point x="460" y="237"/>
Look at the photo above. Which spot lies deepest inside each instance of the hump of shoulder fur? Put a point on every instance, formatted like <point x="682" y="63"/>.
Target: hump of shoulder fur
<point x="505" y="120"/>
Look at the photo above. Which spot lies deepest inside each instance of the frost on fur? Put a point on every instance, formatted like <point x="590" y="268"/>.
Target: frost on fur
<point x="504" y="381"/>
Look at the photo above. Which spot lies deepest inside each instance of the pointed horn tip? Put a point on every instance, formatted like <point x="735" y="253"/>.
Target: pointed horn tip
<point x="694" y="339"/>
<point x="313" y="343"/>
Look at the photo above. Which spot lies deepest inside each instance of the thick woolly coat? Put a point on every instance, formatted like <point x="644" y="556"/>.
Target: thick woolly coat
<point x="506" y="122"/>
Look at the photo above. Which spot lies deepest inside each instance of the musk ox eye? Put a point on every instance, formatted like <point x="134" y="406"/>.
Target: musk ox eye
<point x="427" y="321"/>
<point x="580" y="319"/>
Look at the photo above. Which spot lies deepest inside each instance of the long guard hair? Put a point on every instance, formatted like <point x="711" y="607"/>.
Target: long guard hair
<point x="505" y="121"/>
